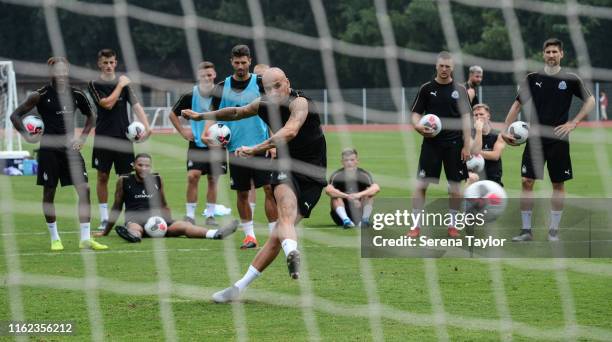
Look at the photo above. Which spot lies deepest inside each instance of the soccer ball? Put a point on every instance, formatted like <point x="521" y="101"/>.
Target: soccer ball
<point x="519" y="130"/>
<point x="486" y="197"/>
<point x="476" y="163"/>
<point x="432" y="121"/>
<point x="34" y="126"/>
<point x="220" y="133"/>
<point x="156" y="227"/>
<point x="135" y="132"/>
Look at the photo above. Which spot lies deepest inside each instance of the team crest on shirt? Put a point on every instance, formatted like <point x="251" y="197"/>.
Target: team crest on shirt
<point x="562" y="85"/>
<point x="455" y="95"/>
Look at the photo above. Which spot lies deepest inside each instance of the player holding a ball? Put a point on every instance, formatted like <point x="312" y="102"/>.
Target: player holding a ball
<point x="142" y="193"/>
<point x="451" y="146"/>
<point x="59" y="157"/>
<point x="112" y="95"/>
<point x="547" y="95"/>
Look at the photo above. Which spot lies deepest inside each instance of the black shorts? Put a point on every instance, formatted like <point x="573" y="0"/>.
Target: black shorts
<point x="63" y="165"/>
<point x="435" y="154"/>
<point x="306" y="189"/>
<point x="241" y="175"/>
<point x="102" y="159"/>
<point x="142" y="218"/>
<point x="353" y="213"/>
<point x="207" y="161"/>
<point x="556" y="155"/>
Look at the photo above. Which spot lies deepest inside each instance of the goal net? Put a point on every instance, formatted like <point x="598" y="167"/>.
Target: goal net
<point x="362" y="63"/>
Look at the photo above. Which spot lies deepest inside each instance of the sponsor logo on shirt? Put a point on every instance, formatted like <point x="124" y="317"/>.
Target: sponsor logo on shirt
<point x="143" y="195"/>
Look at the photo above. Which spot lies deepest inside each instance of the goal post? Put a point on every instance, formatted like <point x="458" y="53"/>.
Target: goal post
<point x="11" y="141"/>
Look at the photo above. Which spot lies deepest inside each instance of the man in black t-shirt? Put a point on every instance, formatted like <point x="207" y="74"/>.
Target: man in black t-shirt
<point x="547" y="96"/>
<point x="142" y="194"/>
<point x="352" y="192"/>
<point x="451" y="147"/>
<point x="204" y="155"/>
<point x="298" y="177"/>
<point x="59" y="157"/>
<point x="474" y="80"/>
<point x="239" y="89"/>
<point x="487" y="142"/>
<point x="112" y="95"/>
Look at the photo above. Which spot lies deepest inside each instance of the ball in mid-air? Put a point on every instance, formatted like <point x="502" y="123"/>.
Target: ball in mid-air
<point x="486" y="197"/>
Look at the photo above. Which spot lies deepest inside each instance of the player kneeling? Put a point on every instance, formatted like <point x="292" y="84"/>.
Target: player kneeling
<point x="142" y="193"/>
<point x="487" y="148"/>
<point x="352" y="192"/>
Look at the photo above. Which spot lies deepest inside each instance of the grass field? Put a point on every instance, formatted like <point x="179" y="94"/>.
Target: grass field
<point x="351" y="298"/>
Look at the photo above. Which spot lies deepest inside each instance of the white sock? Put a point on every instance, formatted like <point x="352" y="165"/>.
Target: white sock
<point x="526" y="218"/>
<point x="210" y="234"/>
<point x="210" y="210"/>
<point x="103" y="211"/>
<point x="252" y="205"/>
<point x="289" y="246"/>
<point x="190" y="209"/>
<point x="271" y="226"/>
<point x="555" y="218"/>
<point x="341" y="211"/>
<point x="85" y="235"/>
<point x="248" y="228"/>
<point x="53" y="231"/>
<point x="453" y="213"/>
<point x="251" y="274"/>
<point x="367" y="211"/>
<point x="418" y="219"/>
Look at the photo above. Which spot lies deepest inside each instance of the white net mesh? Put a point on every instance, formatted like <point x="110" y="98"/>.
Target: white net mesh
<point x="341" y="106"/>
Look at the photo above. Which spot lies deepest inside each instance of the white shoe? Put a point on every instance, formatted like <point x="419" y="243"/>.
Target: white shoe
<point x="229" y="294"/>
<point x="553" y="235"/>
<point x="220" y="210"/>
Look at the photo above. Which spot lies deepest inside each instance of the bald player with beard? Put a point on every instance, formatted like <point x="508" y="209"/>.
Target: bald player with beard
<point x="299" y="176"/>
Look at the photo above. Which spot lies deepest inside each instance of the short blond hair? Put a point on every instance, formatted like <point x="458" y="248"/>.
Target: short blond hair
<point x="349" y="151"/>
<point x="483" y="106"/>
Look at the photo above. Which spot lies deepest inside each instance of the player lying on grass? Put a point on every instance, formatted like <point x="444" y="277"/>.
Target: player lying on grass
<point x="142" y="192"/>
<point x="352" y="192"/>
<point x="488" y="143"/>
<point x="299" y="176"/>
<point x="59" y="157"/>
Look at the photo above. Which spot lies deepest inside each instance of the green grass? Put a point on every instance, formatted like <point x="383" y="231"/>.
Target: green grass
<point x="271" y="307"/>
